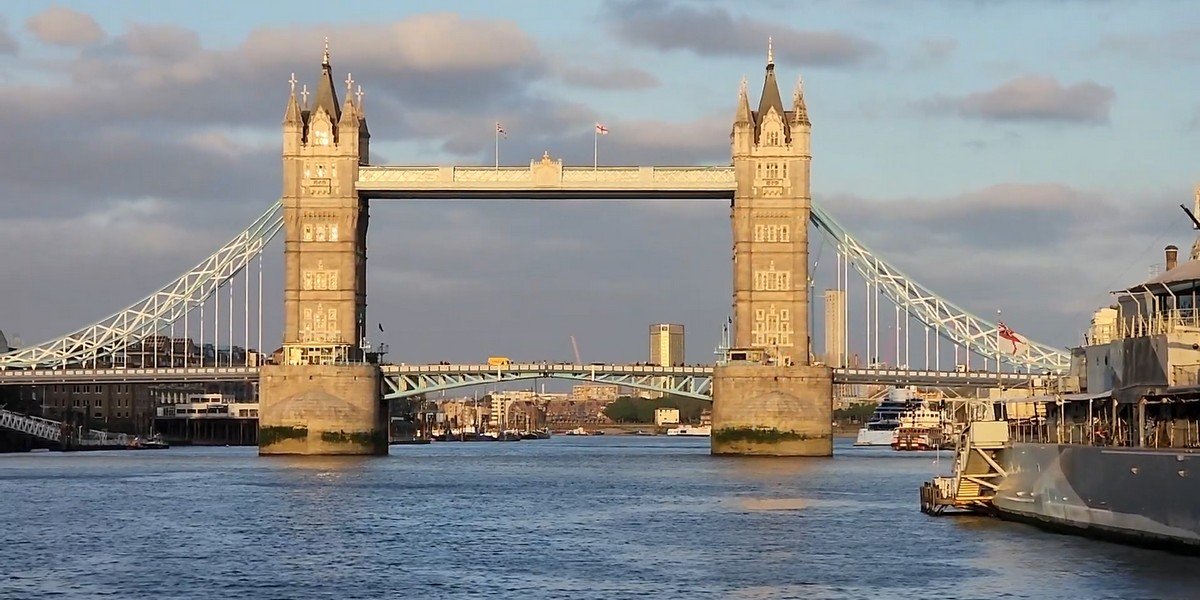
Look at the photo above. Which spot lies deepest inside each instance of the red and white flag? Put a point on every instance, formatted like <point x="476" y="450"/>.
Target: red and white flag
<point x="500" y="129"/>
<point x="601" y="129"/>
<point x="1009" y="342"/>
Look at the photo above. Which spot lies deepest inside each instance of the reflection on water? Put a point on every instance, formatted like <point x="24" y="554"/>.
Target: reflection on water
<point x="600" y="517"/>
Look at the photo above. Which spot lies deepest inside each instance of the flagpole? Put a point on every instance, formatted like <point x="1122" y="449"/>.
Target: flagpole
<point x="497" y="146"/>
<point x="998" y="385"/>
<point x="595" y="147"/>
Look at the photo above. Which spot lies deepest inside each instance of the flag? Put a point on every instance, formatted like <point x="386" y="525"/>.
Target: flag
<point x="500" y="129"/>
<point x="601" y="129"/>
<point x="380" y="327"/>
<point x="1009" y="342"/>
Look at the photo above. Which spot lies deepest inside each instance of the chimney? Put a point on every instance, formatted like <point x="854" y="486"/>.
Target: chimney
<point x="1172" y="256"/>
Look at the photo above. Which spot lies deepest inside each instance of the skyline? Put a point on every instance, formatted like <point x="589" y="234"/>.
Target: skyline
<point x="164" y="143"/>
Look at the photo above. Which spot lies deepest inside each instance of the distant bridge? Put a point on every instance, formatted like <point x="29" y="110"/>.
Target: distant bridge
<point x="404" y="381"/>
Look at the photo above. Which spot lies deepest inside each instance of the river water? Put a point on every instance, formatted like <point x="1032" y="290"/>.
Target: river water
<point x="569" y="517"/>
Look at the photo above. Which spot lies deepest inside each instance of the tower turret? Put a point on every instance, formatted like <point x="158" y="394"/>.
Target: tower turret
<point x="293" y="122"/>
<point x="770" y="224"/>
<point x="743" y="123"/>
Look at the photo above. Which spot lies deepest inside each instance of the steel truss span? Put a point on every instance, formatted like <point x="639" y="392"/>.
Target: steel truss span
<point x="947" y="319"/>
<point x="155" y="312"/>
<point x="405" y="381"/>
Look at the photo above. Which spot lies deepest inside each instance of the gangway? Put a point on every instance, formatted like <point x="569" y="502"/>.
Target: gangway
<point x="59" y="433"/>
<point x="977" y="471"/>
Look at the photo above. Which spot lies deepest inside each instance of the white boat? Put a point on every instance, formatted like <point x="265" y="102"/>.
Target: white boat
<point x="692" y="430"/>
<point x="881" y="427"/>
<point x="922" y="428"/>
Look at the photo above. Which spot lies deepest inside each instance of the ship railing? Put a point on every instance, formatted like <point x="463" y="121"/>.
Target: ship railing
<point x="1160" y="322"/>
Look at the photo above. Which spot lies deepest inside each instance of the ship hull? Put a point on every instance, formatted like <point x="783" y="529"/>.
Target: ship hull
<point x="1147" y="497"/>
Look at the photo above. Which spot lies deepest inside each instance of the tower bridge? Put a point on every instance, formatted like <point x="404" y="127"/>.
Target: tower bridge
<point x="403" y="381"/>
<point x="767" y="386"/>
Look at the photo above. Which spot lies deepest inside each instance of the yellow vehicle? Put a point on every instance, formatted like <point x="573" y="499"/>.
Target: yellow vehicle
<point x="498" y="361"/>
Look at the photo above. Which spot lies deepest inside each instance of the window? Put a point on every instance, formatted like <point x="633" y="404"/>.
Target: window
<point x="772" y="233"/>
<point x="772" y="170"/>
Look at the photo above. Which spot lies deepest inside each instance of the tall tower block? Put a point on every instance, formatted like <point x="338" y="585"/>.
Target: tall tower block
<point x="323" y="399"/>
<point x="767" y="397"/>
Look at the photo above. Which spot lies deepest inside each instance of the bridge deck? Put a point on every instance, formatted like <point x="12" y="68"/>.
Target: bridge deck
<point x="524" y="370"/>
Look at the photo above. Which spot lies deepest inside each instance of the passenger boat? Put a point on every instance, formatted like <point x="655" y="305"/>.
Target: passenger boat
<point x="881" y="427"/>
<point x="922" y="428"/>
<point x="691" y="430"/>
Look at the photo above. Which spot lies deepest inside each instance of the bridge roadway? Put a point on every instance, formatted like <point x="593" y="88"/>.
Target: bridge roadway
<point x="407" y="380"/>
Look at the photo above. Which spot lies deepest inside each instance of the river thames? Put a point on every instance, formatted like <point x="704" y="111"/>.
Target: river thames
<point x="569" y="517"/>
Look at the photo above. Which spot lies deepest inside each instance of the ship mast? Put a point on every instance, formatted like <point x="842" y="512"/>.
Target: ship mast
<point x="1196" y="210"/>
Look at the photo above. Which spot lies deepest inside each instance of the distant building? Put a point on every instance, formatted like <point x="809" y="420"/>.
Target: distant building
<point x="666" y="416"/>
<point x="666" y="350"/>
<point x="666" y="344"/>
<point x="595" y="391"/>
<point x="835" y="328"/>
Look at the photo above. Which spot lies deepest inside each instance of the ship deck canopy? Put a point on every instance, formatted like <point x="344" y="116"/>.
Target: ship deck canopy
<point x="1183" y="279"/>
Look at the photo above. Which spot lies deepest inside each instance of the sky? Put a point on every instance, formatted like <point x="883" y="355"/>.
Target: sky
<point x="1023" y="156"/>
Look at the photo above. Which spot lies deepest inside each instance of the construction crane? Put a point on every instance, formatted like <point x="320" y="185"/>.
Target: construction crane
<point x="575" y="347"/>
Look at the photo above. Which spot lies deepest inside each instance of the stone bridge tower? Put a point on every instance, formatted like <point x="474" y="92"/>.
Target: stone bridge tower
<point x="323" y="398"/>
<point x="767" y="398"/>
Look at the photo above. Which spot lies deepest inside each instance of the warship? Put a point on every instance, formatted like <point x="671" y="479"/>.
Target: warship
<point x="1110" y="449"/>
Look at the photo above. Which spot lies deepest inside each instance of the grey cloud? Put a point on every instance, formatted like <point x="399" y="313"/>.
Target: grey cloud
<point x="1033" y="98"/>
<point x="932" y="52"/>
<point x="1176" y="45"/>
<point x="616" y="78"/>
<point x="715" y="31"/>
<point x="161" y="42"/>
<point x="1047" y="254"/>
<point x="8" y="43"/>
<point x="63" y="26"/>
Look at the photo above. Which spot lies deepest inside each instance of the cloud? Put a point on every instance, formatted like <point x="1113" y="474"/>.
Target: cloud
<point x="63" y="26"/>
<point x="933" y="52"/>
<point x="1045" y="253"/>
<point x="1182" y="45"/>
<point x="1033" y="98"/>
<point x="8" y="44"/>
<point x="615" y="78"/>
<point x="715" y="31"/>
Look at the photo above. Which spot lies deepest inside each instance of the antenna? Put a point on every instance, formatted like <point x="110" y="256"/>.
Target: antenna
<point x="1192" y="216"/>
<point x="575" y="347"/>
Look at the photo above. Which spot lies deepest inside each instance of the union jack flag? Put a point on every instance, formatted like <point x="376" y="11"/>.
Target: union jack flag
<point x="601" y="129"/>
<point x="500" y="129"/>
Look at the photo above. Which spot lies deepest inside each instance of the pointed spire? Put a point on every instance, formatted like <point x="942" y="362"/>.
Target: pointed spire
<point x="744" y="116"/>
<point x="292" y="114"/>
<point x="770" y="94"/>
<point x="770" y="53"/>
<point x="799" y="109"/>
<point x="304" y="96"/>
<point x="326" y="93"/>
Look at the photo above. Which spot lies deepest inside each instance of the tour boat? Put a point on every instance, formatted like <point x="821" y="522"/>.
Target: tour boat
<point x="881" y="427"/>
<point x="691" y="430"/>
